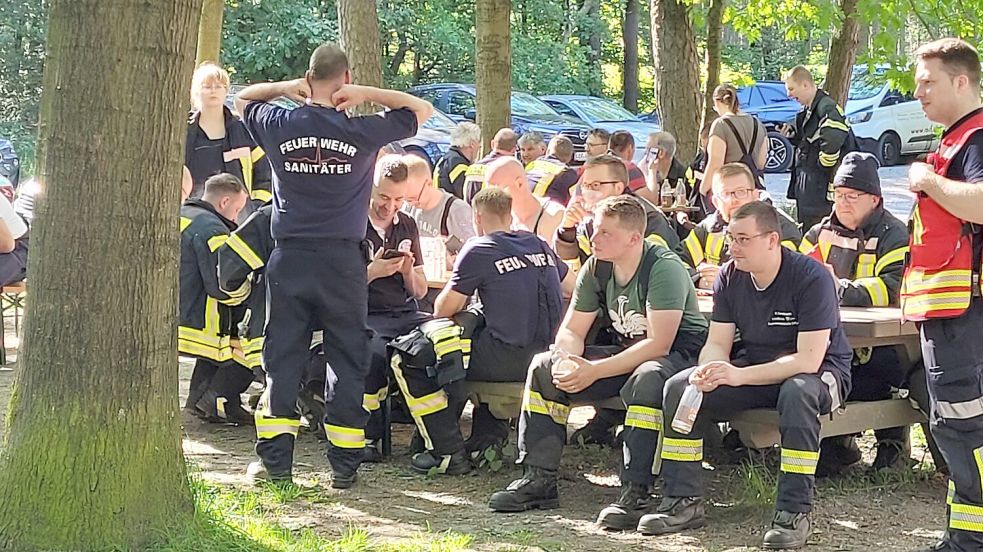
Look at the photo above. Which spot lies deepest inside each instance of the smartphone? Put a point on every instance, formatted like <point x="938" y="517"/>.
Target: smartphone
<point x="391" y="254"/>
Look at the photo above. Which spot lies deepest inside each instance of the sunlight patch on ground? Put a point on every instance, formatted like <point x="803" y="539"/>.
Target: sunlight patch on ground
<point x="440" y="498"/>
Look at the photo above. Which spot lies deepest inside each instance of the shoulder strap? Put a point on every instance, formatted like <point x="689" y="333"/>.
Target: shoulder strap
<point x="443" y="217"/>
<point x="754" y="134"/>
<point x="602" y="272"/>
<point x="737" y="135"/>
<point x="644" y="270"/>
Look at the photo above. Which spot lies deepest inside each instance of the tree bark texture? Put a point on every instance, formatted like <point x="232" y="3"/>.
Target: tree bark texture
<point x="677" y="80"/>
<point x="630" y="72"/>
<point x="843" y="54"/>
<point x="91" y="457"/>
<point x="493" y="67"/>
<point x="715" y="16"/>
<point x="210" y="32"/>
<point x="358" y="24"/>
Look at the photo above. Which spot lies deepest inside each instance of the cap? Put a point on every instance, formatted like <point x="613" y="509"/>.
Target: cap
<point x="858" y="171"/>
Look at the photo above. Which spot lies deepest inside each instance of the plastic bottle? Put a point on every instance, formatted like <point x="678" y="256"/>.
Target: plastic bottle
<point x="681" y="194"/>
<point x="689" y="407"/>
<point x="665" y="194"/>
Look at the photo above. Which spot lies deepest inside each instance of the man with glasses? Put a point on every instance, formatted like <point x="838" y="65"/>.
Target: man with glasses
<point x="659" y="164"/>
<point x="863" y="246"/>
<point x="597" y="143"/>
<point x="641" y="295"/>
<point x="793" y="356"/>
<point x="705" y="249"/>
<point x="437" y="213"/>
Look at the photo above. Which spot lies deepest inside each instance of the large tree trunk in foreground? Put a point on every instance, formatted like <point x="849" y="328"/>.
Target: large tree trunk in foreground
<point x="715" y="16"/>
<point x="843" y="54"/>
<point x="210" y="32"/>
<point x="630" y="70"/>
<point x="358" y="24"/>
<point x="91" y="458"/>
<point x="677" y="80"/>
<point x="493" y="67"/>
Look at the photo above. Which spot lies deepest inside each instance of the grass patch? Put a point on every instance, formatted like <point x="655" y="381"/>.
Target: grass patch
<point x="231" y="520"/>
<point x="757" y="485"/>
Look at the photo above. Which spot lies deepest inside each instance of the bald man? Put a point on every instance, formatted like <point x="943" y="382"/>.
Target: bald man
<point x="538" y="215"/>
<point x="437" y="213"/>
<point x="503" y="145"/>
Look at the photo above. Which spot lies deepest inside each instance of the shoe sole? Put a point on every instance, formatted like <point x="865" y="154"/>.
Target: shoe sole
<point x="612" y="525"/>
<point x="344" y="483"/>
<point x="782" y="547"/>
<point x="455" y="471"/>
<point x="691" y="524"/>
<point x="543" y="504"/>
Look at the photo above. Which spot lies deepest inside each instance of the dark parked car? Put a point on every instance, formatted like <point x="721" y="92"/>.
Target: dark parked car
<point x="431" y="142"/>
<point x="9" y="162"/>
<point x="606" y="114"/>
<point x="769" y="102"/>
<point x="528" y="113"/>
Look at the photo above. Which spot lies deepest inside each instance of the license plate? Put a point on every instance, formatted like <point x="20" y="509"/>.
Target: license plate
<point x="580" y="156"/>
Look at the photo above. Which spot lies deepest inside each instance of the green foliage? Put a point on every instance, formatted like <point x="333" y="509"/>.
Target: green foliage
<point x="22" y="30"/>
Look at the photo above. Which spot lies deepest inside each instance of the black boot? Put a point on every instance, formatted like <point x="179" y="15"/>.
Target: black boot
<point x="373" y="452"/>
<point x="836" y="454"/>
<point x="674" y="515"/>
<point x="600" y="430"/>
<point x="428" y="462"/>
<point x="789" y="530"/>
<point x="487" y="431"/>
<point x="201" y="379"/>
<point x="535" y="489"/>
<point x="893" y="449"/>
<point x="635" y="501"/>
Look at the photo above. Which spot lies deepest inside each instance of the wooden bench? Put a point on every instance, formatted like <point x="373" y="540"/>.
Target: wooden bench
<point x="12" y="297"/>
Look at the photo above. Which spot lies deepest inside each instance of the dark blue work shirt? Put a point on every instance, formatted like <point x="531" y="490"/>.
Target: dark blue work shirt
<point x="801" y="299"/>
<point x="517" y="277"/>
<point x="322" y="165"/>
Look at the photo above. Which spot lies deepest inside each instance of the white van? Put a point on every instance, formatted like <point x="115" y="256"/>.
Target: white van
<point x="893" y="122"/>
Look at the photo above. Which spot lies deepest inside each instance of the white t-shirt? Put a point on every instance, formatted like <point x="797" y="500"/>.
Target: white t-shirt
<point x="14" y="223"/>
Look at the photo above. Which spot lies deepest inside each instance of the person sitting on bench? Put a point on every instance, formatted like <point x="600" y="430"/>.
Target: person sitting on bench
<point x="642" y="295"/>
<point x="794" y="356"/>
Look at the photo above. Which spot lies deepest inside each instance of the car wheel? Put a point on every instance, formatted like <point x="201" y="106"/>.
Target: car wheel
<point x="780" y="152"/>
<point x="889" y="149"/>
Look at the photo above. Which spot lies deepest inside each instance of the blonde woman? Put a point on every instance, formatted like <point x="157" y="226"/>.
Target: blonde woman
<point x="218" y="142"/>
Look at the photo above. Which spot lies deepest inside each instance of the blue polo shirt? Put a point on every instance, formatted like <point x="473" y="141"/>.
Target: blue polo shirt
<point x="322" y="165"/>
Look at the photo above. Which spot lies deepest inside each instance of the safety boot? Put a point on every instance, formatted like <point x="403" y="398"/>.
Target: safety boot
<point x="535" y="489"/>
<point x="674" y="515"/>
<point x="635" y="501"/>
<point x="428" y="462"/>
<point x="789" y="530"/>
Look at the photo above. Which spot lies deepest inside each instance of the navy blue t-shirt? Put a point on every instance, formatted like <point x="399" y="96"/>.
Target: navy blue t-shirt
<point x="517" y="277"/>
<point x="801" y="299"/>
<point x="322" y="165"/>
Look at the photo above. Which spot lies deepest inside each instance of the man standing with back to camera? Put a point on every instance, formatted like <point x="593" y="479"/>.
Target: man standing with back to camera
<point x="322" y="165"/>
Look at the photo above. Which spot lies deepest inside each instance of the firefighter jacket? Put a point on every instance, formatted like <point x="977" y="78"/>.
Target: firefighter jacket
<point x="869" y="261"/>
<point x="820" y="134"/>
<point x="448" y="173"/>
<point x="241" y="260"/>
<point x="552" y="178"/>
<point x="241" y="157"/>
<point x="942" y="275"/>
<point x="206" y="319"/>
<point x="705" y="243"/>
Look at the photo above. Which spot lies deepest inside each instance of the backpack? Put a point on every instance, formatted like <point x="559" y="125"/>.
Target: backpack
<point x="746" y="157"/>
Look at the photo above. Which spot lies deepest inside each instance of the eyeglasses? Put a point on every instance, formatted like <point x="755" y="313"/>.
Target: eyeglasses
<point x="742" y="241"/>
<point x="743" y="193"/>
<point x="849" y="197"/>
<point x="596" y="144"/>
<point x="596" y="185"/>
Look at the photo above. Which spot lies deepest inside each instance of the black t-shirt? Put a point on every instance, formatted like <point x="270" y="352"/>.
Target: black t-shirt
<point x="967" y="165"/>
<point x="389" y="294"/>
<point x="322" y="165"/>
<point x="801" y="299"/>
<point x="517" y="277"/>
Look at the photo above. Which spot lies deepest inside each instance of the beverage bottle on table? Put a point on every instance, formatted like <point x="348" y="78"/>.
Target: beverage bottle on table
<point x="666" y="194"/>
<point x="689" y="407"/>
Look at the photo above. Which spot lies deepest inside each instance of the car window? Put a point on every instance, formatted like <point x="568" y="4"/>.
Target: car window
<point x="773" y="95"/>
<point x="599" y="110"/>
<point x="526" y="105"/>
<point x="438" y="121"/>
<point x="429" y="95"/>
<point x="744" y="96"/>
<point x="459" y="103"/>
<point x="864" y="86"/>
<point x="562" y="109"/>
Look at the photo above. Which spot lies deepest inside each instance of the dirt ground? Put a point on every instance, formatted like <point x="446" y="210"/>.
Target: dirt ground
<point x="391" y="502"/>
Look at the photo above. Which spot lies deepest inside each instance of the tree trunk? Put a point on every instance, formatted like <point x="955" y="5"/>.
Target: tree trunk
<point x="493" y="67"/>
<point x="358" y="25"/>
<point x="630" y="73"/>
<point x="715" y="16"/>
<point x="595" y="85"/>
<point x="843" y="54"/>
<point x="210" y="32"/>
<point x="91" y="458"/>
<point x="677" y="81"/>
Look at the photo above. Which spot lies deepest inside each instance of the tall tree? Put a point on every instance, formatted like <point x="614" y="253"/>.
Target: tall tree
<point x="843" y="53"/>
<point x="677" y="80"/>
<point x="210" y="32"/>
<point x="493" y="67"/>
<point x="715" y="16"/>
<point x="630" y="73"/>
<point x="91" y="458"/>
<point x="359" y="26"/>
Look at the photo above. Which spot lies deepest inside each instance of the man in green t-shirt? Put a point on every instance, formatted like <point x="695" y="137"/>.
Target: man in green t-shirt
<point x="643" y="296"/>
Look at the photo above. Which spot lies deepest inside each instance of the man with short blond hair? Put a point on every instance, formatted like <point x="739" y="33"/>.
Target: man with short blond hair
<point x="438" y="214"/>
